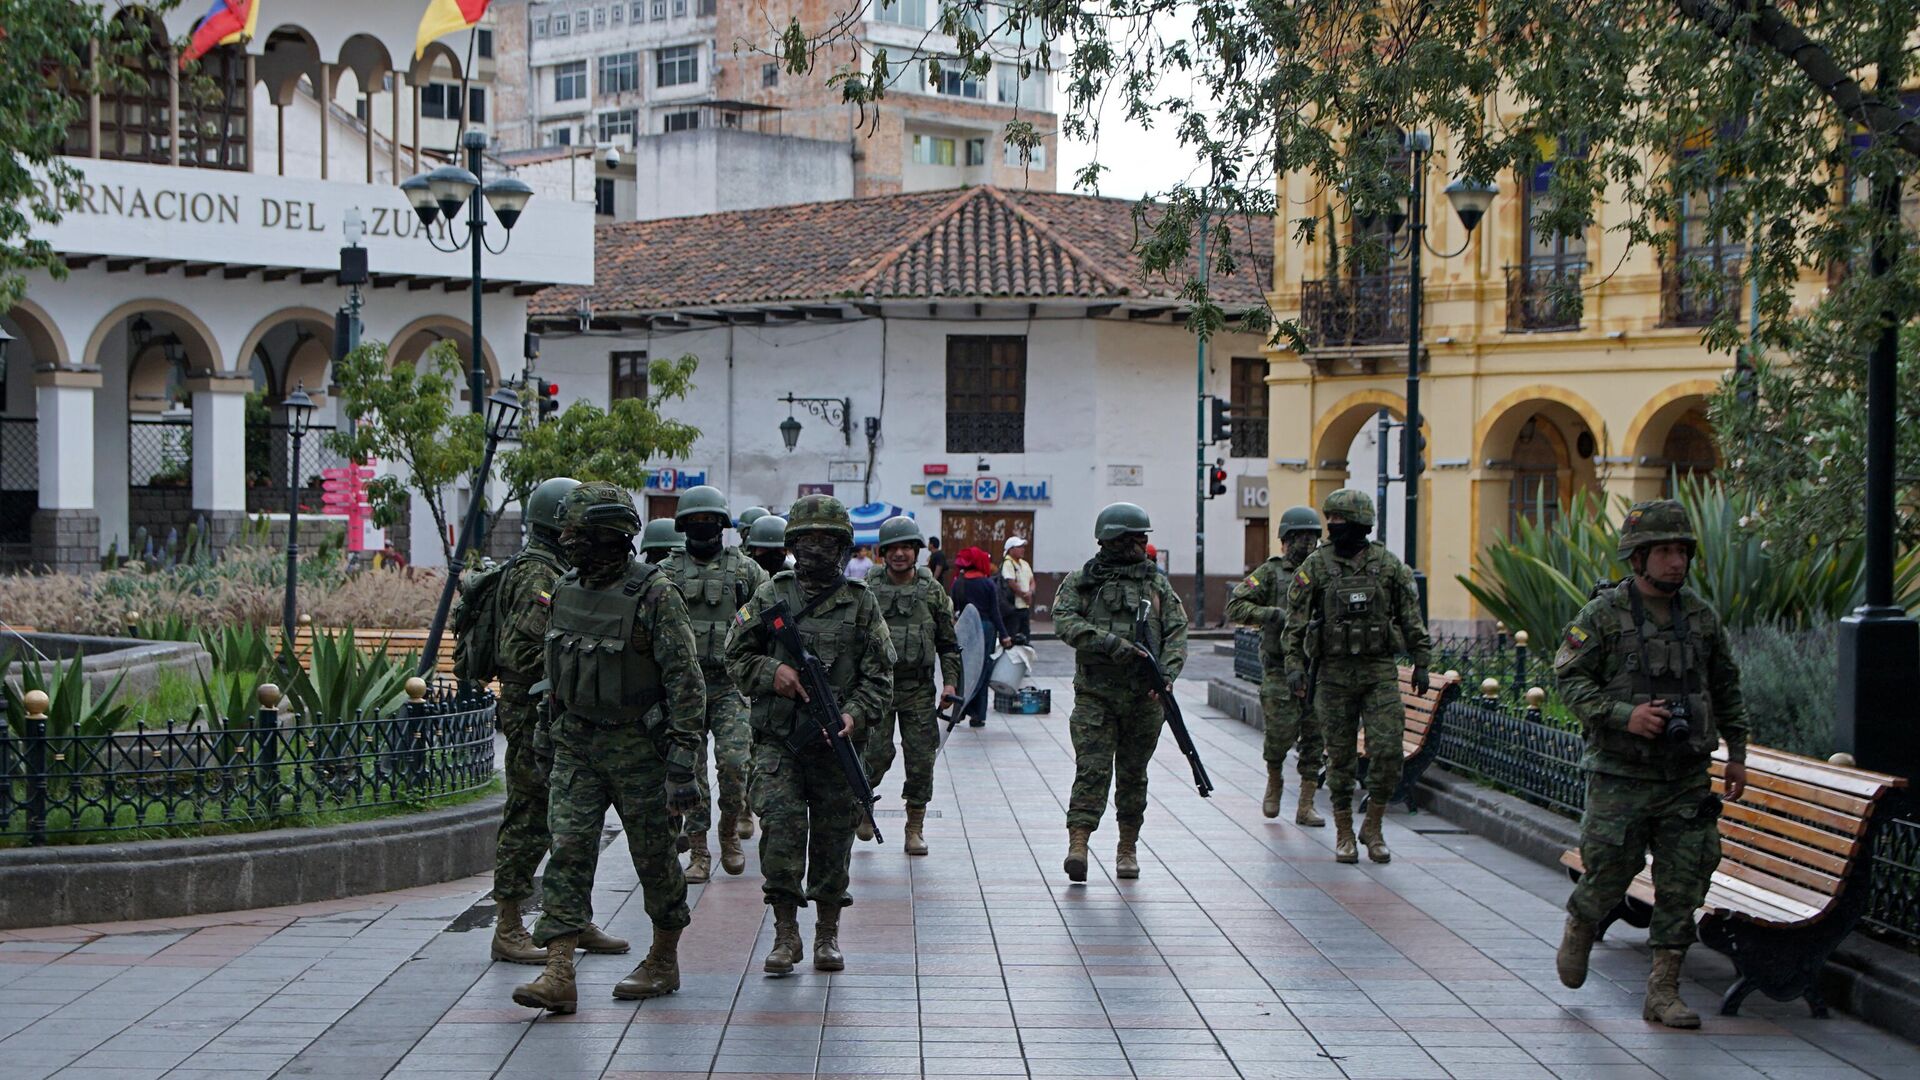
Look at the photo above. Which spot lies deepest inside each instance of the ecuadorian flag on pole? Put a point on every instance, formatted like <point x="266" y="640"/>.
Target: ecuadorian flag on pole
<point x="445" y="17"/>
<point x="226" y="22"/>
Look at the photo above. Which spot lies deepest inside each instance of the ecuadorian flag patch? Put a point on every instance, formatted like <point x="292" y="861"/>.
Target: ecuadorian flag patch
<point x="545" y="599"/>
<point x="1300" y="577"/>
<point x="742" y="617"/>
<point x="1576" y="638"/>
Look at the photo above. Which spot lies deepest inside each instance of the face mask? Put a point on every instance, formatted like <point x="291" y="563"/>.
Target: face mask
<point x="817" y="557"/>
<point x="1126" y="549"/>
<point x="1348" y="536"/>
<point x="772" y="560"/>
<point x="600" y="552"/>
<point x="702" y="529"/>
<point x="1300" y="545"/>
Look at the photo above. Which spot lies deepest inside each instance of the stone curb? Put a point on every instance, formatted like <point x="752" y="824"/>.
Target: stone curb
<point x="153" y="879"/>
<point x="1875" y="982"/>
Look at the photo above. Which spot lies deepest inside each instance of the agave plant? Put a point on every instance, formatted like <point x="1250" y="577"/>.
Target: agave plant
<point x="238" y="649"/>
<point x="341" y="683"/>
<point x="73" y="709"/>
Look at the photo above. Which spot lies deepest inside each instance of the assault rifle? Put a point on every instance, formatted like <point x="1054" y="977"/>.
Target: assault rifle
<point x="1163" y="688"/>
<point x="823" y="709"/>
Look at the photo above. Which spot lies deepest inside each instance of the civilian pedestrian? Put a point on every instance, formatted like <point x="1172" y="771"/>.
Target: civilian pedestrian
<point x="1018" y="573"/>
<point x="860" y="565"/>
<point x="975" y="584"/>
<point x="936" y="561"/>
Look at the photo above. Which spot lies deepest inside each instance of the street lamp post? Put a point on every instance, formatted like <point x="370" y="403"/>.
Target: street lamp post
<point x="835" y="411"/>
<point x="299" y="408"/>
<point x="503" y="416"/>
<point x="1470" y="199"/>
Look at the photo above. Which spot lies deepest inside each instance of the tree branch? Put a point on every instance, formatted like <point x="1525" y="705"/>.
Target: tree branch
<point x="1766" y="27"/>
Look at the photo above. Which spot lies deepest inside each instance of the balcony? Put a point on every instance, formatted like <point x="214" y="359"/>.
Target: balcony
<point x="1544" y="296"/>
<point x="1698" y="291"/>
<point x="1345" y="313"/>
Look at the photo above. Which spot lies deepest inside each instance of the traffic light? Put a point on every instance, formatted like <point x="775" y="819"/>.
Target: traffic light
<point x="549" y="394"/>
<point x="1222" y="420"/>
<point x="1417" y="462"/>
<point x="1216" y="480"/>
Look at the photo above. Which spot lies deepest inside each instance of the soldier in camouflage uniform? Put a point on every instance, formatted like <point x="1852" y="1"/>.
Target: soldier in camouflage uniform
<point x="660" y="539"/>
<point x="1642" y="658"/>
<point x="747" y="517"/>
<point x="807" y="811"/>
<point x="627" y="704"/>
<point x="1116" y="717"/>
<point x="716" y="581"/>
<point x="1260" y="602"/>
<point x="520" y="613"/>
<point x="766" y="545"/>
<point x="1352" y="608"/>
<point x="920" y="619"/>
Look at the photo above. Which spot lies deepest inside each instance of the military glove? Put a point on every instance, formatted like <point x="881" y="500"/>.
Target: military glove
<point x="1297" y="683"/>
<point x="683" y="796"/>
<point x="1422" y="682"/>
<point x="1118" y="647"/>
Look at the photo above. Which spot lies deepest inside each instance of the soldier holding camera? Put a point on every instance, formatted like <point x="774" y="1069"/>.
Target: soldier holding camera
<point x="1647" y="669"/>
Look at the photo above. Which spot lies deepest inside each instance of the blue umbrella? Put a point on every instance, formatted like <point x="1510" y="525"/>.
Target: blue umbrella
<point x="867" y="519"/>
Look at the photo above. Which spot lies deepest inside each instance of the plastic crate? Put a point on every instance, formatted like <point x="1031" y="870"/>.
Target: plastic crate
<point x="1031" y="700"/>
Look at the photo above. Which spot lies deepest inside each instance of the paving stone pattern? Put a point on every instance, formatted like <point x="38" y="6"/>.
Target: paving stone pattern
<point x="1242" y="951"/>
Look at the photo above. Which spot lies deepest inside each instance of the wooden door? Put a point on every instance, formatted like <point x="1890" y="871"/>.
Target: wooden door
<point x="1259" y="543"/>
<point x="985" y="529"/>
<point x="662" y="506"/>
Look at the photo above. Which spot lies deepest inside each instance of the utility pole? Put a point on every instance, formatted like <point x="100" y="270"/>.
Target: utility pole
<point x="1202" y="475"/>
<point x="1384" y="427"/>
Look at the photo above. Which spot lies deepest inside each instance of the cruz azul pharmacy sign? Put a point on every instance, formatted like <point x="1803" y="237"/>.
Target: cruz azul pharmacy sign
<point x="988" y="490"/>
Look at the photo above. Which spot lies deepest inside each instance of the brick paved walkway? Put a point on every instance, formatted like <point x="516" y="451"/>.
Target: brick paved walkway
<point x="1243" y="950"/>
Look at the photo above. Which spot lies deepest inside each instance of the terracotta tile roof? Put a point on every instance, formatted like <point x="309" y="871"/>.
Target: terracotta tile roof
<point x="979" y="242"/>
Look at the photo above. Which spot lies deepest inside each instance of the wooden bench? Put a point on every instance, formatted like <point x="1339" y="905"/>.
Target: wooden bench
<point x="1796" y="855"/>
<point x="1420" y="741"/>
<point x="397" y="643"/>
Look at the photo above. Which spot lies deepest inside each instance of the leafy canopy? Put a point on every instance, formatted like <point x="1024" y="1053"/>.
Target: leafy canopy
<point x="589" y="443"/>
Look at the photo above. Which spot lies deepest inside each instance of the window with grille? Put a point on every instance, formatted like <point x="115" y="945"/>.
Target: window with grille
<point x="986" y="394"/>
<point x="619" y="73"/>
<point x="570" y="81"/>
<point x="1247" y="397"/>
<point x="136" y="114"/>
<point x="614" y="124"/>
<point x="630" y="376"/>
<point x="678" y="65"/>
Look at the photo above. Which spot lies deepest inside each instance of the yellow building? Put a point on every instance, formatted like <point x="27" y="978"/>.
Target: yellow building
<point x="1525" y="398"/>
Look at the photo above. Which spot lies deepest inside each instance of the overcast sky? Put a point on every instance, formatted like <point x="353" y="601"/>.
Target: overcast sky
<point x="1138" y="159"/>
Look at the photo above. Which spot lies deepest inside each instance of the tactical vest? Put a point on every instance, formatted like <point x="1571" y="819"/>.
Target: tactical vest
<point x="1355" y="609"/>
<point x="713" y="592"/>
<point x="1667" y="662"/>
<point x="831" y="632"/>
<point x="1273" y="639"/>
<point x="596" y="672"/>
<point x="908" y="610"/>
<point x="1112" y="606"/>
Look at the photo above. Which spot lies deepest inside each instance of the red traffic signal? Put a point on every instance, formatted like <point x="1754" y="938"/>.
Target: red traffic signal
<point x="1216" y="481"/>
<point x="549" y="394"/>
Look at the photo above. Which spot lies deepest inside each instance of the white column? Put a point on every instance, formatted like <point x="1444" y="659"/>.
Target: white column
<point x="220" y="443"/>
<point x="64" y="403"/>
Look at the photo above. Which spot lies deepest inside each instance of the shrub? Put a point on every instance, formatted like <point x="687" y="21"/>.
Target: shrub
<point x="1788" y="681"/>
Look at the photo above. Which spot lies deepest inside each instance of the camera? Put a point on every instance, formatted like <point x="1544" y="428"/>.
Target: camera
<point x="1679" y="721"/>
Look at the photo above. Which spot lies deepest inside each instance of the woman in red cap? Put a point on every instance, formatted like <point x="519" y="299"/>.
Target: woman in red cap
<point x="974" y="584"/>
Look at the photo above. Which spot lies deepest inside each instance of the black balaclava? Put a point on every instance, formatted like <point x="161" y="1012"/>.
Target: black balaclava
<point x="703" y="535"/>
<point x="772" y="560"/>
<point x="819" y="559"/>
<point x="656" y="555"/>
<point x="1299" y="545"/>
<point x="599" y="553"/>
<point x="1124" y="550"/>
<point x="1348" y="537"/>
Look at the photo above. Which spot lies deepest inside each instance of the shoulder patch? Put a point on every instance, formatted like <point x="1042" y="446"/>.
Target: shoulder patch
<point x="1576" y="638"/>
<point x="544" y="598"/>
<point x="1301" y="578"/>
<point x="743" y="616"/>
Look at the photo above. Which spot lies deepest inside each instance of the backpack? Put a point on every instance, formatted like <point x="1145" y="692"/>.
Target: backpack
<point x="476" y="622"/>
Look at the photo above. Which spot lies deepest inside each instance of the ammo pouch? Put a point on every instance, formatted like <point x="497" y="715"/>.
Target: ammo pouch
<point x="1356" y="619"/>
<point x="596" y="672"/>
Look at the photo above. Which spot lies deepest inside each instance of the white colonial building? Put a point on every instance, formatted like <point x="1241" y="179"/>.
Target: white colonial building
<point x="202" y="267"/>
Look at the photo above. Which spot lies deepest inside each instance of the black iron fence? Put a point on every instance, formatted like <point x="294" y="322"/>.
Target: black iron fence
<point x="254" y="771"/>
<point x="19" y="478"/>
<point x="1544" y="295"/>
<point x="159" y="453"/>
<point x="1895" y="905"/>
<point x="1516" y="667"/>
<point x="1365" y="309"/>
<point x="1513" y="750"/>
<point x="270" y="479"/>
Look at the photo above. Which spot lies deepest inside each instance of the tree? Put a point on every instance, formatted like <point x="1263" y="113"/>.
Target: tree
<point x="398" y="414"/>
<point x="589" y="443"/>
<point x="1787" y="120"/>
<point x="44" y="86"/>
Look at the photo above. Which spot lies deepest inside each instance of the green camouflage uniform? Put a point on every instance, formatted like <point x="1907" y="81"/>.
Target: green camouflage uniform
<point x="525" y="595"/>
<point x="806" y="809"/>
<point x="1355" y="615"/>
<point x="628" y="703"/>
<point x="1260" y="602"/>
<point x="1649" y="794"/>
<point x="1115" y="725"/>
<point x="714" y="590"/>
<point x="920" y="620"/>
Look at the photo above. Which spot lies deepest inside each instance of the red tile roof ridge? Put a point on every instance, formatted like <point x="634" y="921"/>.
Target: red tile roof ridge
<point x="1118" y="284"/>
<point x="954" y="206"/>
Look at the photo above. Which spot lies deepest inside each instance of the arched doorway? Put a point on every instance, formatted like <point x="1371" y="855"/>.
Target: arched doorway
<point x="34" y="345"/>
<point x="1535" y="450"/>
<point x="289" y="349"/>
<point x="1688" y="451"/>
<point x="1346" y="454"/>
<point x="1542" y="468"/>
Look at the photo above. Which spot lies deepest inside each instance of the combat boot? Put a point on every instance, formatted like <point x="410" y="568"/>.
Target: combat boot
<point x="732" y="859"/>
<point x="1276" y="787"/>
<point x="510" y="941"/>
<point x="1663" y="992"/>
<point x="699" y="860"/>
<point x="1126" y="864"/>
<point x="1344" y="849"/>
<point x="1576" y="944"/>
<point x="595" y="940"/>
<point x="553" y="990"/>
<point x="786" y="950"/>
<point x="1371" y="834"/>
<point x="1304" y="814"/>
<point x="746" y="825"/>
<point x="826" y="939"/>
<point x="659" y="974"/>
<point x="864" y="830"/>
<point x="1077" y="853"/>
<point x="916" y="840"/>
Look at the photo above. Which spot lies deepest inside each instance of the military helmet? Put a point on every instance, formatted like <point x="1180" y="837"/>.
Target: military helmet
<point x="748" y="516"/>
<point x="900" y="529"/>
<point x="705" y="499"/>
<point x="819" y="513"/>
<point x="543" y="504"/>
<point x="1119" y="519"/>
<point x="661" y="535"/>
<point x="1661" y="521"/>
<point x="1300" y="519"/>
<point x="1352" y="504"/>
<point x="599" y="503"/>
<point x="767" y="531"/>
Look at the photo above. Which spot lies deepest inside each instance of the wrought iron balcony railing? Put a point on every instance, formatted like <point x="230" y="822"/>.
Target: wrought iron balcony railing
<point x="1699" y="291"/>
<point x="1343" y="312"/>
<point x="1544" y="296"/>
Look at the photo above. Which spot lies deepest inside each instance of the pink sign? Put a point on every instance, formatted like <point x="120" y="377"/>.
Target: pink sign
<point x="344" y="491"/>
